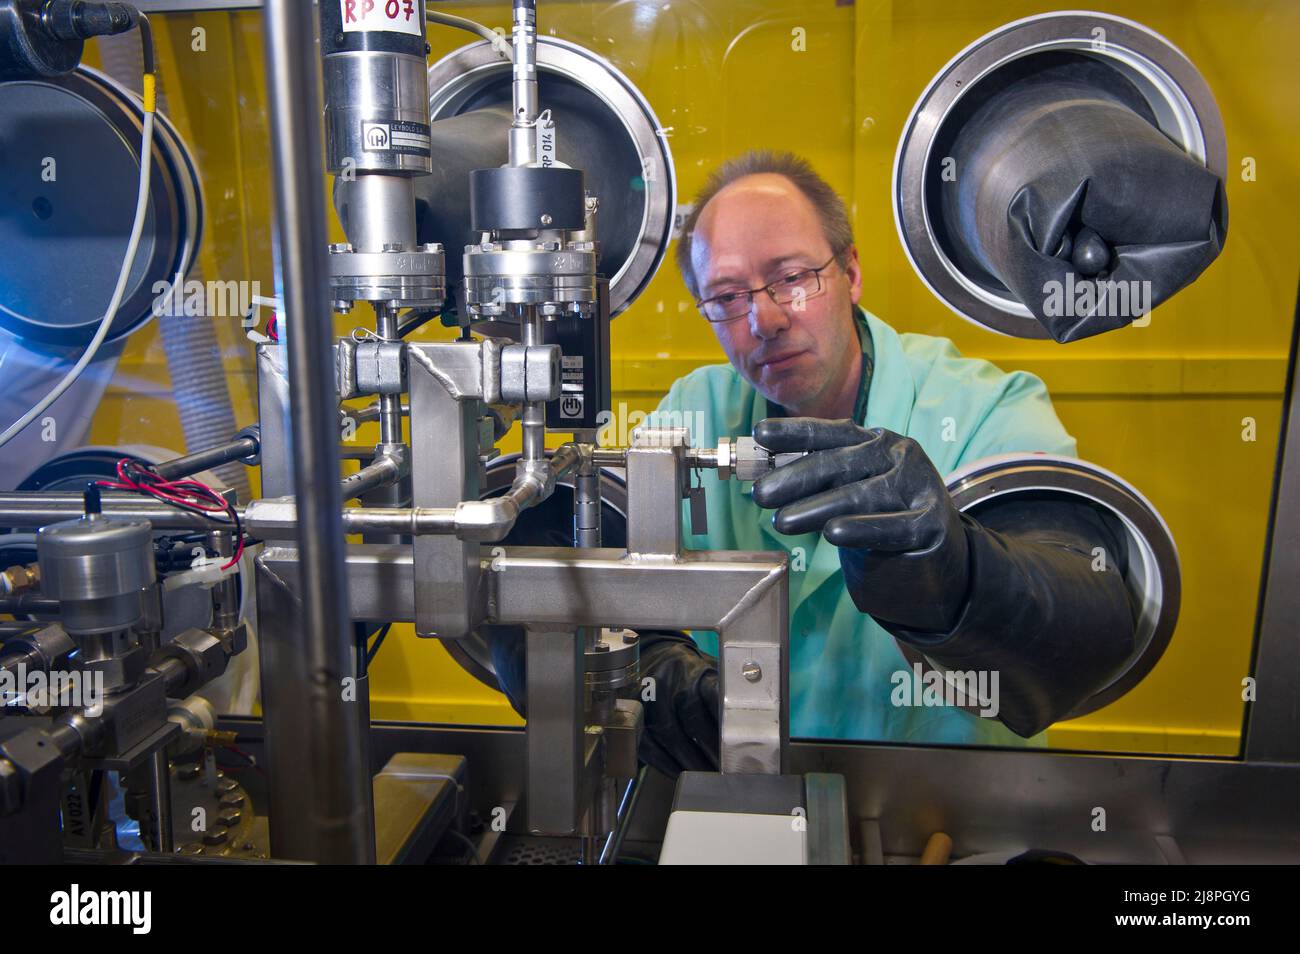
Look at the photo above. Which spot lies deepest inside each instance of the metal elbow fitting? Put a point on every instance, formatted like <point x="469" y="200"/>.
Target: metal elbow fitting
<point x="486" y="521"/>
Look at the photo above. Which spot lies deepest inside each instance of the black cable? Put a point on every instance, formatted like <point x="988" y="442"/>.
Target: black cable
<point x="473" y="848"/>
<point x="146" y="43"/>
<point x="374" y="648"/>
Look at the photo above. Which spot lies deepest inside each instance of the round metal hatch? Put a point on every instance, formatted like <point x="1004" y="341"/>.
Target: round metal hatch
<point x="70" y="150"/>
<point x="1173" y="97"/>
<point x="1154" y="576"/>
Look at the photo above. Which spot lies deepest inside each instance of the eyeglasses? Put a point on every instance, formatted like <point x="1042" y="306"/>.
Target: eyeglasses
<point x="796" y="287"/>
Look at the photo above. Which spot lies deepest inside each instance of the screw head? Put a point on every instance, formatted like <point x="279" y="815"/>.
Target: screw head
<point x="546" y="219"/>
<point x="752" y="671"/>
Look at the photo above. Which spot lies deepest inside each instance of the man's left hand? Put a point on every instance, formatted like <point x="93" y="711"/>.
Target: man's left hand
<point x="875" y="495"/>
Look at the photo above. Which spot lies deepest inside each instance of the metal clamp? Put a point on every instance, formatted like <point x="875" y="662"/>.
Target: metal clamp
<point x="530" y="373"/>
<point x="370" y="367"/>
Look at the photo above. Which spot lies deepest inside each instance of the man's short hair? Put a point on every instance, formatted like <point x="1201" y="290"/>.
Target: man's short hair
<point x="829" y="207"/>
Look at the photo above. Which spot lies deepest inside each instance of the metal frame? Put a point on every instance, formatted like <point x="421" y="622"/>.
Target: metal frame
<point x="1272" y="722"/>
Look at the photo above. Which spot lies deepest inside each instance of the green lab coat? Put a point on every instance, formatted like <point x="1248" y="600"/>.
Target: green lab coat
<point x="842" y="663"/>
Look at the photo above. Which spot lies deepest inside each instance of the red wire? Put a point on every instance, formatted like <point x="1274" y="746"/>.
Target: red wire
<point x="141" y="478"/>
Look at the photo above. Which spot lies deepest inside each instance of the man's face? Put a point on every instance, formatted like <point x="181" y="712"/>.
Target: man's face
<point x="755" y="231"/>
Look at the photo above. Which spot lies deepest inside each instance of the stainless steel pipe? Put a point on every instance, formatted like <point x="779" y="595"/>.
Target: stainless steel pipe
<point x="238" y="449"/>
<point x="320" y="804"/>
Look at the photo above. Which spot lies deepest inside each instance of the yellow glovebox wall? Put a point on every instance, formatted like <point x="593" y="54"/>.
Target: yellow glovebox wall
<point x="1168" y="406"/>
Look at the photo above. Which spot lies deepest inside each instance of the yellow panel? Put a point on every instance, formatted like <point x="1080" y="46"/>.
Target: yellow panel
<point x="1165" y="405"/>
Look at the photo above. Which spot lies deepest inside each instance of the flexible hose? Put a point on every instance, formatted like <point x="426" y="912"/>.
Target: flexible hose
<point x="499" y="41"/>
<point x="137" y="228"/>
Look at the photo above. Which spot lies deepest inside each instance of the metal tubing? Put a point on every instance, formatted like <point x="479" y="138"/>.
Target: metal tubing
<point x="160" y="803"/>
<point x="410" y="521"/>
<point x="533" y="419"/>
<point x="39" y="509"/>
<point x="320" y="809"/>
<point x="225" y="594"/>
<point x="29" y="604"/>
<point x="523" y="142"/>
<point x="238" y="449"/>
<point x="384" y="469"/>
<point x="371" y="412"/>
<point x="390" y="405"/>
<point x="626" y="809"/>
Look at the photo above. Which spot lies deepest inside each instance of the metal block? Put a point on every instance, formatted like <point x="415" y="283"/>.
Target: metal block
<point x="655" y="486"/>
<point x="447" y="384"/>
<point x="381" y="367"/>
<point x="623" y="738"/>
<point x="530" y="373"/>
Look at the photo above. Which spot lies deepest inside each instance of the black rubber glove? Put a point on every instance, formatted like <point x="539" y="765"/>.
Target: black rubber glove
<point x="682" y="732"/>
<point x="875" y="495"/>
<point x="681" y="705"/>
<point x="1020" y="592"/>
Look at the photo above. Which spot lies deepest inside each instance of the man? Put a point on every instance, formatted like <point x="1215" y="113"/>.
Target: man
<point x="877" y="548"/>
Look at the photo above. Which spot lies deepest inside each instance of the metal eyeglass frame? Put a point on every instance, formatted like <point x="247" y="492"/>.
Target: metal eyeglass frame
<point x="771" y="291"/>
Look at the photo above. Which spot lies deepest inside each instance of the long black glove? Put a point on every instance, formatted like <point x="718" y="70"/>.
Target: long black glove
<point x="1021" y="594"/>
<point x="681" y="703"/>
<point x="681" y="715"/>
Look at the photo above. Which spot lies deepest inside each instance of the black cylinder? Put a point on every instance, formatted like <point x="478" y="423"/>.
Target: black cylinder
<point x="519" y="198"/>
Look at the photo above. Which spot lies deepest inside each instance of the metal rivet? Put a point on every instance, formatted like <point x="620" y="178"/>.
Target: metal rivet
<point x="751" y="671"/>
<point x="546" y="220"/>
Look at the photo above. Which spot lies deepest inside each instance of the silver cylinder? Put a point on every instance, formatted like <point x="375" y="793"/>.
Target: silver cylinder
<point x="97" y="568"/>
<point x="377" y="112"/>
<point x="379" y="210"/>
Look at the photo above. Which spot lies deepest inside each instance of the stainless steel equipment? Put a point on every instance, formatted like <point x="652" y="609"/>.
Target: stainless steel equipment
<point x="544" y="253"/>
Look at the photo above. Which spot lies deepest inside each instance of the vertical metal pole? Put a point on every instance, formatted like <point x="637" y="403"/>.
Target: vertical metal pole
<point x="554" y="661"/>
<point x="160" y="803"/>
<point x="523" y="141"/>
<point x="319" y="779"/>
<point x="390" y="405"/>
